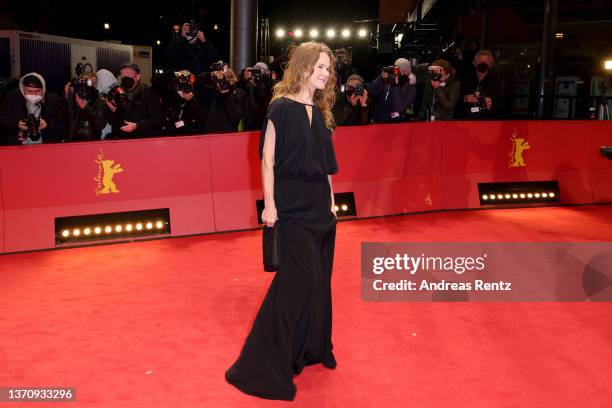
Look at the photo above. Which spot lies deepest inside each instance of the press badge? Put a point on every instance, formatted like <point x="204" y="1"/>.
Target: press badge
<point x="179" y="124"/>
<point x="475" y="109"/>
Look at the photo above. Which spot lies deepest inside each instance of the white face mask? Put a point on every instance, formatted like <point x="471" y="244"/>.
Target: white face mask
<point x="33" y="98"/>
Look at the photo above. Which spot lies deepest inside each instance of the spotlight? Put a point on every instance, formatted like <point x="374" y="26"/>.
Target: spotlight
<point x="314" y="33"/>
<point x="492" y="197"/>
<point x="346" y="33"/>
<point x="507" y="196"/>
<point x="65" y="233"/>
<point x="551" y="195"/>
<point x="139" y="227"/>
<point x="522" y="195"/>
<point x="344" y="207"/>
<point x="280" y="33"/>
<point x="559" y="36"/>
<point x="544" y="195"/>
<point x="362" y="33"/>
<point x="537" y="195"/>
<point x="336" y="208"/>
<point x="485" y="197"/>
<point x="118" y="228"/>
<point x="76" y="232"/>
<point x="331" y="33"/>
<point x="515" y="196"/>
<point x="529" y="195"/>
<point x="98" y="230"/>
<point x="87" y="231"/>
<point x="129" y="228"/>
<point x="106" y="26"/>
<point x="216" y="27"/>
<point x="108" y="229"/>
<point x="499" y="196"/>
<point x="158" y="42"/>
<point x="298" y="33"/>
<point x="159" y="225"/>
<point x="149" y="225"/>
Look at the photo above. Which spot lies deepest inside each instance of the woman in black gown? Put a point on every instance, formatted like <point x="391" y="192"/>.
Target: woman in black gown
<point x="293" y="326"/>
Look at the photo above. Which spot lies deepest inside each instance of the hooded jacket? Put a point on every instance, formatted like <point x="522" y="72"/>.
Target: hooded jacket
<point x="15" y="108"/>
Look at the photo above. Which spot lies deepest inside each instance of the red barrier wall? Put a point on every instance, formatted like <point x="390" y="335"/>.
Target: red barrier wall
<point x="211" y="183"/>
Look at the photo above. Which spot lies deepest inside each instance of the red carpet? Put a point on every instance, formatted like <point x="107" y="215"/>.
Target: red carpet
<point x="155" y="324"/>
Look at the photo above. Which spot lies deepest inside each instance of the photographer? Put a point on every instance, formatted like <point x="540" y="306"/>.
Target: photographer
<point x="190" y="50"/>
<point x="344" y="69"/>
<point x="395" y="92"/>
<point x="351" y="107"/>
<point x="86" y="109"/>
<point x="181" y="112"/>
<point x="133" y="107"/>
<point x="105" y="82"/>
<point x="223" y="103"/>
<point x="257" y="83"/>
<point x="481" y="89"/>
<point x="441" y="91"/>
<point x="30" y="115"/>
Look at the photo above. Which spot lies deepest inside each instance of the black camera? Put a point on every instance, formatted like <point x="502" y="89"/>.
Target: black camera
<point x="391" y="70"/>
<point x="184" y="83"/>
<point x="258" y="74"/>
<point x="33" y="125"/>
<point x="222" y="84"/>
<point x="194" y="27"/>
<point x="482" y="103"/>
<point x="354" y="90"/>
<point x="85" y="89"/>
<point x="218" y="66"/>
<point x="117" y="96"/>
<point x="435" y="76"/>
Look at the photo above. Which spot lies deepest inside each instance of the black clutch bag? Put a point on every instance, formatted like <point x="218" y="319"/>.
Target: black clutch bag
<point x="271" y="248"/>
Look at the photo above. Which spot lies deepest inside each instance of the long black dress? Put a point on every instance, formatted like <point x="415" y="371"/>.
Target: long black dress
<point x="293" y="326"/>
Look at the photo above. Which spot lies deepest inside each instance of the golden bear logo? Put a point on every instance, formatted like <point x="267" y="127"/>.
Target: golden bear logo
<point x="106" y="171"/>
<point x="519" y="145"/>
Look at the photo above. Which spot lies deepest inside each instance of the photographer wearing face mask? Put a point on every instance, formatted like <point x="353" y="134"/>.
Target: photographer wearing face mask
<point x="481" y="89"/>
<point x="30" y="115"/>
<point x="256" y="82"/>
<point x="86" y="109"/>
<point x="395" y="92"/>
<point x="134" y="108"/>
<point x="441" y="91"/>
<point x="182" y="114"/>
<point x="191" y="50"/>
<point x="223" y="103"/>
<point x="351" y="107"/>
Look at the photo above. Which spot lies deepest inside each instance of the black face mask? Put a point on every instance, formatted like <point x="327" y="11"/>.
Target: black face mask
<point x="482" y="67"/>
<point x="127" y="83"/>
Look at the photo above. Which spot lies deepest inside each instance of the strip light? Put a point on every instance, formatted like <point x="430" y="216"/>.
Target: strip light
<point x="515" y="196"/>
<point x="98" y="227"/>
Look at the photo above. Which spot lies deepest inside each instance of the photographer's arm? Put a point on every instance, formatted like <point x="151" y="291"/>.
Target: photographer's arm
<point x="95" y="113"/>
<point x="55" y="116"/>
<point x="447" y="96"/>
<point x="152" y="121"/>
<point x="234" y="105"/>
<point x="377" y="86"/>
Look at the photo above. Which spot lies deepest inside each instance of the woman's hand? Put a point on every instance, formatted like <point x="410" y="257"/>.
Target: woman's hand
<point x="269" y="216"/>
